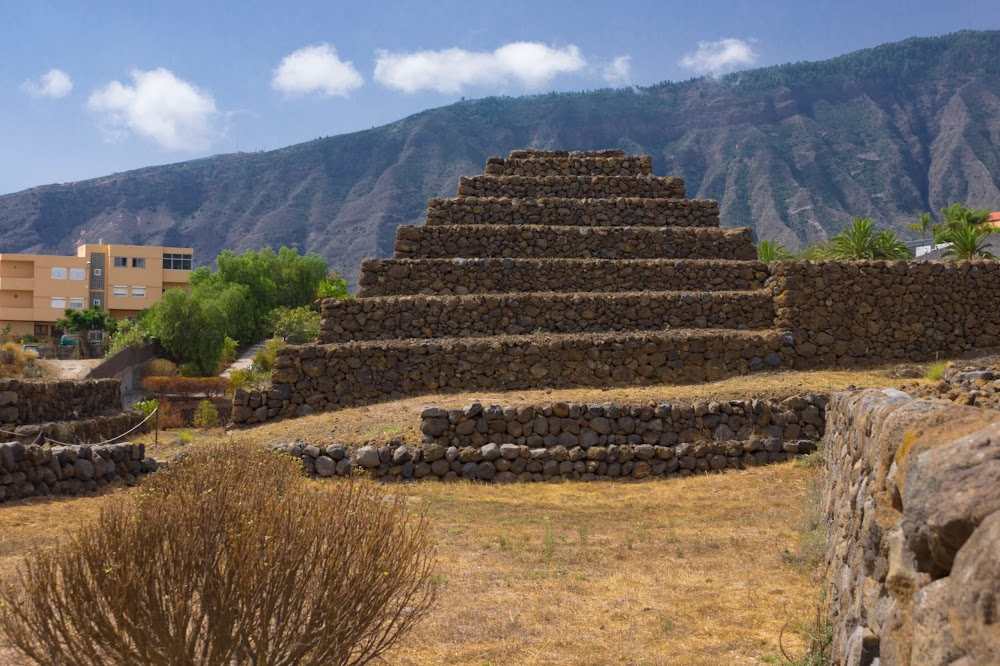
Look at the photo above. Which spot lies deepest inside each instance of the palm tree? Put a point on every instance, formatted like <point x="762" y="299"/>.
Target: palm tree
<point x="862" y="240"/>
<point x="923" y="226"/>
<point x="771" y="250"/>
<point x="968" y="241"/>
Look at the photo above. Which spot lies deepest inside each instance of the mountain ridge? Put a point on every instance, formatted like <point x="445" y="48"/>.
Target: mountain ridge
<point x="793" y="151"/>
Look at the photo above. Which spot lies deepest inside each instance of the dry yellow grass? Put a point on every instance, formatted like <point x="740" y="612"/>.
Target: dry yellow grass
<point x="400" y="419"/>
<point x="691" y="571"/>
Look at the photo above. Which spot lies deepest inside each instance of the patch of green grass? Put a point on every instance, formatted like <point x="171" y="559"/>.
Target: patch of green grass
<point x="936" y="370"/>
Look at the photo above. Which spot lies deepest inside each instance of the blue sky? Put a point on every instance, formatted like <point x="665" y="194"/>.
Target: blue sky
<point x="88" y="89"/>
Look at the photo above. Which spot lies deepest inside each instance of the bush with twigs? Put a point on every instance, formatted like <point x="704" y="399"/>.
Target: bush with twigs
<point x="254" y="566"/>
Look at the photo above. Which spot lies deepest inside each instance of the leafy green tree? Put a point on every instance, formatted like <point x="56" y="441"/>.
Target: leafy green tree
<point x="83" y="322"/>
<point x="862" y="240"/>
<point x="298" y="278"/>
<point x="296" y="326"/>
<point x="333" y="286"/>
<point x="191" y="329"/>
<point x="771" y="250"/>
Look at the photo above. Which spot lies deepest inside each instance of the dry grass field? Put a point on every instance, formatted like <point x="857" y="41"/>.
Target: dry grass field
<point x="704" y="570"/>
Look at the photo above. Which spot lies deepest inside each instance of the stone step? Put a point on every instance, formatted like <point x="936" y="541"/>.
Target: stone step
<point x="398" y="277"/>
<point x="617" y="212"/>
<point x="387" y="318"/>
<point x="604" y="163"/>
<point x="572" y="187"/>
<point x="540" y="241"/>
<point x="325" y="377"/>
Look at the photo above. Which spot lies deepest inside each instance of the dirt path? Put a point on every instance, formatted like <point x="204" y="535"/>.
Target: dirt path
<point x="75" y="368"/>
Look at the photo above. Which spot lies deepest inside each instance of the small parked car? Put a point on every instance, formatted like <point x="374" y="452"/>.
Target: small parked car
<point x="69" y="340"/>
<point x="32" y="348"/>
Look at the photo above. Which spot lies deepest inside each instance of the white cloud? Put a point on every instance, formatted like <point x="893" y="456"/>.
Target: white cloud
<point x="619" y="72"/>
<point x="316" y="69"/>
<point x="719" y="57"/>
<point x="529" y="64"/>
<point x="53" y="83"/>
<point x="158" y="106"/>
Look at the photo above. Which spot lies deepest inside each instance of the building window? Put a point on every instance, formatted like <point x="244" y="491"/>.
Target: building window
<point x="139" y="292"/>
<point x="58" y="273"/>
<point x="97" y="272"/>
<point x="58" y="303"/>
<point x="42" y="330"/>
<point x="119" y="290"/>
<point x="77" y="274"/>
<point x="138" y="262"/>
<point x="96" y="304"/>
<point x="176" y="262"/>
<point x="121" y="262"/>
<point x="75" y="303"/>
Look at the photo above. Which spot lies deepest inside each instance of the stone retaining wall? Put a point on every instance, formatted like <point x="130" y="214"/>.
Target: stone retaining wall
<point x="661" y="424"/>
<point x="572" y="187"/>
<point x="32" y="470"/>
<point x="618" y="212"/>
<point x="630" y="442"/>
<point x="39" y="401"/>
<point x="537" y="163"/>
<point x="78" y="431"/>
<point x="911" y="498"/>
<point x="319" y="378"/>
<point x="569" y="242"/>
<point x="389" y="277"/>
<point x="848" y="313"/>
<point x="519" y="314"/>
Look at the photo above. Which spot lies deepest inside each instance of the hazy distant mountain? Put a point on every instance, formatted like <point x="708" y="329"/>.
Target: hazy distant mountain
<point x="794" y="151"/>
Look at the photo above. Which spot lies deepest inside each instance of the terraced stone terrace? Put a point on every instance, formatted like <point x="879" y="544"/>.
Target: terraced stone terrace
<point x="551" y="270"/>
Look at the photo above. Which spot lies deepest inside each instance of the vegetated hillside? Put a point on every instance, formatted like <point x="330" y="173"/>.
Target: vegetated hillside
<point x="793" y="151"/>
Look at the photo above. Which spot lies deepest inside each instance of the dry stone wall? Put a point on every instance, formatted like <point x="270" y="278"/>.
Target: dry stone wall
<point x="571" y="187"/>
<point x="568" y="442"/>
<point x="33" y="470"/>
<point x="24" y="402"/>
<point x="583" y="242"/>
<point x="399" y="277"/>
<point x="617" y="212"/>
<point x="396" y="341"/>
<point x="850" y="313"/>
<point x="543" y="163"/>
<point x="911" y="497"/>
<point x="318" y="378"/>
<point x="530" y="313"/>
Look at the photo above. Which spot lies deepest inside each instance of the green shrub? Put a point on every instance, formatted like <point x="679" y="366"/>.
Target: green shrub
<point x="206" y="415"/>
<point x="190" y="369"/>
<point x="229" y="350"/>
<point x="936" y="370"/>
<point x="249" y="379"/>
<point x="146" y="406"/>
<point x="263" y="361"/>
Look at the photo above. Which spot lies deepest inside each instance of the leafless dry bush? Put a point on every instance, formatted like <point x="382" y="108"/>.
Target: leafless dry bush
<point x="228" y="557"/>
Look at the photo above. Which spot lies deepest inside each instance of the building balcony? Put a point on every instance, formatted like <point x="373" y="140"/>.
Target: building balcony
<point x="17" y="283"/>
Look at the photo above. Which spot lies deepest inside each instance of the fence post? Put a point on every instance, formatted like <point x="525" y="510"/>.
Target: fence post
<point x="156" y="434"/>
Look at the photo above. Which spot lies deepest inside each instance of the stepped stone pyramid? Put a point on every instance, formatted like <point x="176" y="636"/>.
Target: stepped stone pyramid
<point x="553" y="269"/>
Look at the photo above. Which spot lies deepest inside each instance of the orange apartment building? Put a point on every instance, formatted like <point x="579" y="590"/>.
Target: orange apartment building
<point x="36" y="289"/>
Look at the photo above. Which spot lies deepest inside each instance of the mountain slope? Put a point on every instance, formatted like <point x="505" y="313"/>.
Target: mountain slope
<point x="794" y="151"/>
